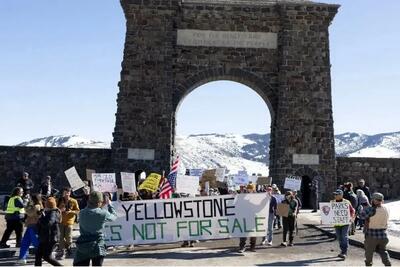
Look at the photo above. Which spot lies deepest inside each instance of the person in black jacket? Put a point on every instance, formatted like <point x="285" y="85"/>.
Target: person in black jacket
<point x="364" y="188"/>
<point x="26" y="183"/>
<point x="48" y="232"/>
<point x="46" y="188"/>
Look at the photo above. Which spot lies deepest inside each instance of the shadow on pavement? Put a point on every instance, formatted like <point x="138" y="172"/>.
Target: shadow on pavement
<point x="303" y="262"/>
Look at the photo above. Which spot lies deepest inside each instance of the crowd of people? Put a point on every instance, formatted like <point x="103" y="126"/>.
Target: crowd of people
<point x="50" y="214"/>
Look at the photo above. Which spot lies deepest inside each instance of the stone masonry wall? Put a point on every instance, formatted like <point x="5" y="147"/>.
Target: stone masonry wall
<point x="42" y="161"/>
<point x="382" y="175"/>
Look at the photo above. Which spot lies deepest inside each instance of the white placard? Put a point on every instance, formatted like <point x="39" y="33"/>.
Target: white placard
<point x="128" y="182"/>
<point x="187" y="184"/>
<point x="141" y="154"/>
<point x="241" y="178"/>
<point x="104" y="182"/>
<point x="292" y="183"/>
<point x="180" y="219"/>
<point x="335" y="213"/>
<point x="279" y="197"/>
<point x="220" y="174"/>
<point x="196" y="172"/>
<point x="190" y="37"/>
<point x="73" y="178"/>
<point x="306" y="159"/>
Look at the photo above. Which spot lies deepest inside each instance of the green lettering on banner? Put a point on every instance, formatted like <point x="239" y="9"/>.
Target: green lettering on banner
<point x="259" y="224"/>
<point x="178" y="227"/>
<point x="115" y="235"/>
<point x="245" y="228"/>
<point x="197" y="228"/>
<point x="236" y="224"/>
<point x="161" y="224"/>
<point x="148" y="237"/>
<point x="223" y="226"/>
<point x="204" y="227"/>
<point x="141" y="233"/>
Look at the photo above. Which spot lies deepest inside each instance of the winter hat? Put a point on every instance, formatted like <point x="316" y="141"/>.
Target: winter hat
<point x="51" y="203"/>
<point x="338" y="192"/>
<point x="95" y="198"/>
<point x="377" y="196"/>
<point x="251" y="187"/>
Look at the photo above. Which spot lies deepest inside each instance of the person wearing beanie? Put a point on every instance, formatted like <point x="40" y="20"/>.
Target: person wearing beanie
<point x="375" y="230"/>
<point x="342" y="230"/>
<point x="90" y="244"/>
<point x="48" y="233"/>
<point x="289" y="222"/>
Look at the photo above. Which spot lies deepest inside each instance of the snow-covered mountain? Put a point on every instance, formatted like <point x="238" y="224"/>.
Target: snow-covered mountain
<point x="66" y="141"/>
<point x="242" y="152"/>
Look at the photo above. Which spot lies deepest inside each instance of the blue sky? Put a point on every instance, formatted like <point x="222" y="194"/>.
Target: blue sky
<point x="60" y="62"/>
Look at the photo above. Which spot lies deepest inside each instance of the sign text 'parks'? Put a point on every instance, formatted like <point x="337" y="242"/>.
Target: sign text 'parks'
<point x="201" y="218"/>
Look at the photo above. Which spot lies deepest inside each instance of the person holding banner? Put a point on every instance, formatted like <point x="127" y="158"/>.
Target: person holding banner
<point x="377" y="217"/>
<point x="289" y="222"/>
<point x="251" y="188"/>
<point x="90" y="244"/>
<point x="271" y="217"/>
<point x="342" y="230"/>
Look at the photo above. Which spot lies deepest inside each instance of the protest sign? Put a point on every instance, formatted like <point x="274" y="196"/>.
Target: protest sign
<point x="73" y="179"/>
<point x="282" y="210"/>
<point x="209" y="176"/>
<point x="335" y="212"/>
<point x="196" y="172"/>
<point x="292" y="183"/>
<point x="220" y="174"/>
<point x="89" y="173"/>
<point x="264" y="180"/>
<point x="104" y="182"/>
<point x="128" y="182"/>
<point x="279" y="197"/>
<point x="151" y="183"/>
<point x="241" y="178"/>
<point x="187" y="184"/>
<point x="181" y="219"/>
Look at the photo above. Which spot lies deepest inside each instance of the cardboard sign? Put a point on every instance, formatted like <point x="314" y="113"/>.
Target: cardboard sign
<point x="282" y="209"/>
<point x="292" y="183"/>
<point x="104" y="182"/>
<point x="180" y="219"/>
<point x="151" y="183"/>
<point x="209" y="176"/>
<point x="333" y="213"/>
<point x="73" y="179"/>
<point x="264" y="180"/>
<point x="89" y="173"/>
<point x="128" y="182"/>
<point x="187" y="184"/>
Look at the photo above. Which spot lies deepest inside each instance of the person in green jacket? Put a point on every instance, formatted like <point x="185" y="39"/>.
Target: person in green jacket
<point x="90" y="244"/>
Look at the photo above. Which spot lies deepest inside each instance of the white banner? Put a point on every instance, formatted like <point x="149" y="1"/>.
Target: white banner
<point x="104" y="182"/>
<point x="293" y="183"/>
<point x="128" y="182"/>
<point x="335" y="213"/>
<point x="179" y="219"/>
<point x="73" y="178"/>
<point x="187" y="184"/>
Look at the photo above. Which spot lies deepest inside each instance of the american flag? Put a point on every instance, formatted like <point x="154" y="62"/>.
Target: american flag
<point x="168" y="184"/>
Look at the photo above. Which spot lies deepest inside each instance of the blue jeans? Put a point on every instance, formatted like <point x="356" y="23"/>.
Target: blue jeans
<point x="271" y="218"/>
<point x="30" y="237"/>
<point x="342" y="234"/>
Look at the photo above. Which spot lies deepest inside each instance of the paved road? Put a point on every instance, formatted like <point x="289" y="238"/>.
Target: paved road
<point x="311" y="248"/>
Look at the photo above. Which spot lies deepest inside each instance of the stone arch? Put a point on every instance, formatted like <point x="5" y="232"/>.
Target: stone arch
<point x="256" y="83"/>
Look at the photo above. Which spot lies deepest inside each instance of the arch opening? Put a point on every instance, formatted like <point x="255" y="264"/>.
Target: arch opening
<point x="223" y="123"/>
